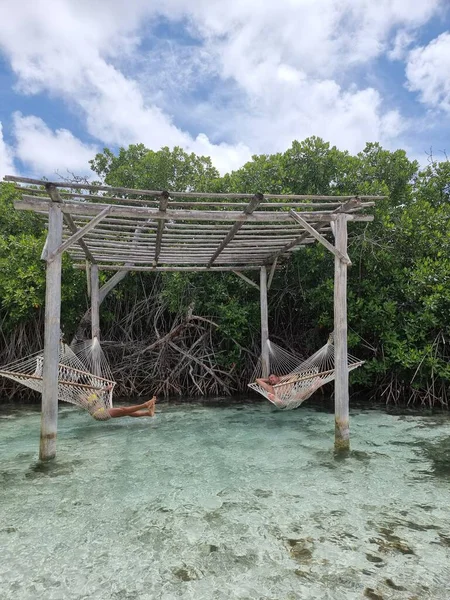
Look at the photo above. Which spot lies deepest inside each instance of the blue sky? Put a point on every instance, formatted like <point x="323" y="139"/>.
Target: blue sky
<point x="226" y="80"/>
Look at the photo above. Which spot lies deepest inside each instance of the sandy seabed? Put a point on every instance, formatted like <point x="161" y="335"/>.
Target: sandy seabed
<point x="238" y="502"/>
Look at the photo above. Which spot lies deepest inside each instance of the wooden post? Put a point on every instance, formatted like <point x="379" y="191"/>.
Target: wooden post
<point x="95" y="303"/>
<point x="264" y="323"/>
<point x="341" y="409"/>
<point x="95" y="321"/>
<point x="49" y="414"/>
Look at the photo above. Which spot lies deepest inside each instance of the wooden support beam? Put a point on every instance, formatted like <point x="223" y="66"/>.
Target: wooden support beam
<point x="246" y="279"/>
<point x="341" y="399"/>
<point x="318" y="226"/>
<point x="73" y="228"/>
<point x="186" y="241"/>
<point x="80" y="233"/>
<point x="95" y="304"/>
<point x="44" y="252"/>
<point x="55" y="197"/>
<point x="162" y="208"/>
<point x="252" y="205"/>
<point x="309" y="228"/>
<point x="272" y="273"/>
<point x="86" y="209"/>
<point x="156" y="193"/>
<point x="172" y="268"/>
<point x="265" y="363"/>
<point x="119" y="275"/>
<point x="88" y="278"/>
<point x="112" y="282"/>
<point x="332" y="201"/>
<point x="49" y="413"/>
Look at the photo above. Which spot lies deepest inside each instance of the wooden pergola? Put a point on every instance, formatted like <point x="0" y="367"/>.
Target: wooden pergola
<point x="123" y="229"/>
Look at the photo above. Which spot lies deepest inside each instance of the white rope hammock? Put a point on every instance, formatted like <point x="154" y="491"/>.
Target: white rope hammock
<point x="298" y="379"/>
<point x="84" y="375"/>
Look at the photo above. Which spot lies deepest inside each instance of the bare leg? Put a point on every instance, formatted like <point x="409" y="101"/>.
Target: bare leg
<point x="266" y="386"/>
<point x="141" y="413"/>
<point x="129" y="411"/>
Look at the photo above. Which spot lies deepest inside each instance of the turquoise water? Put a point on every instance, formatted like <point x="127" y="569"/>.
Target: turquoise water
<point x="217" y="503"/>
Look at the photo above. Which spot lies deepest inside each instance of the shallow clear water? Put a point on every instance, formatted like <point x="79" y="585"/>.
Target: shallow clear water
<point x="218" y="503"/>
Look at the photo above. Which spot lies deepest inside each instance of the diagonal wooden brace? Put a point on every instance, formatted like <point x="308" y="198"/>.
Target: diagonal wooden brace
<point x="344" y="258"/>
<point x="79" y="234"/>
<point x="246" y="279"/>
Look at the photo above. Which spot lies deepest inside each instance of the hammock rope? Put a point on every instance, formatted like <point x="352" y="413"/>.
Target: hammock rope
<point x="83" y="374"/>
<point x="299" y="379"/>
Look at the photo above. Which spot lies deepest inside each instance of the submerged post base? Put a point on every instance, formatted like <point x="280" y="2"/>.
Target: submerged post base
<point x="341" y="436"/>
<point x="47" y="447"/>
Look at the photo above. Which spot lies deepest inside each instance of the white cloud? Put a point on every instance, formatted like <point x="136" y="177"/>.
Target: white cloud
<point x="46" y="152"/>
<point x="322" y="38"/>
<point x="6" y="157"/>
<point x="402" y="42"/>
<point x="279" y="67"/>
<point x="428" y="72"/>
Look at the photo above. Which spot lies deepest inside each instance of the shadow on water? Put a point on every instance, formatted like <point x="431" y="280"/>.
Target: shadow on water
<point x="438" y="453"/>
<point x="51" y="469"/>
<point x="335" y="459"/>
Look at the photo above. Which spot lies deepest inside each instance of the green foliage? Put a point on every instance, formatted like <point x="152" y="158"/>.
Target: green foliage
<point x="398" y="286"/>
<point x="139" y="167"/>
<point x="22" y="273"/>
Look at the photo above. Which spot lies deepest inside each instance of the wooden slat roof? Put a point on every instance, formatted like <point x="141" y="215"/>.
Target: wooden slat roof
<point x="160" y="230"/>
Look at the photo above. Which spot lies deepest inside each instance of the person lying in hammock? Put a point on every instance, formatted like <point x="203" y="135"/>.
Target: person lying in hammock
<point x="268" y="385"/>
<point x="97" y="409"/>
<point x="287" y="390"/>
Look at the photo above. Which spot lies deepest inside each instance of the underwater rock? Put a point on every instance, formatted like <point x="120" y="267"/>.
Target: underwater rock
<point x="372" y="594"/>
<point x="392" y="545"/>
<point x="302" y="574"/>
<point x="8" y="530"/>
<point x="445" y="540"/>
<point x="186" y="573"/>
<point x="263" y="493"/>
<point x="374" y="559"/>
<point x="438" y="453"/>
<point x="394" y="586"/>
<point x="299" y="550"/>
<point x="390" y="542"/>
<point x="409" y="525"/>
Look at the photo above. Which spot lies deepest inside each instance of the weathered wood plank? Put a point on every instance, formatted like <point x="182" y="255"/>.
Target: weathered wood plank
<point x="86" y="209"/>
<point x="49" y="413"/>
<point x="333" y="203"/>
<point x="265" y="363"/>
<point x="246" y="279"/>
<point x="252" y="205"/>
<point x="111" y="283"/>
<point x="162" y="208"/>
<point x="272" y="273"/>
<point x="183" y="244"/>
<point x="127" y="226"/>
<point x="341" y="400"/>
<point x="157" y="193"/>
<point x="80" y="233"/>
<point x="95" y="304"/>
<point x="163" y="269"/>
<point x="318" y="226"/>
<point x="320" y="238"/>
<point x="55" y="197"/>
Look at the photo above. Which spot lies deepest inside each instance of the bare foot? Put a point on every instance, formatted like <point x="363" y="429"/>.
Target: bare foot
<point x="151" y="402"/>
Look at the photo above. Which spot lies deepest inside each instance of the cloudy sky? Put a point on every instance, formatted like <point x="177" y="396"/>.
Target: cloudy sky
<point x="226" y="79"/>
